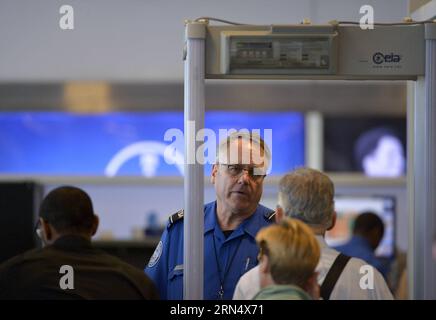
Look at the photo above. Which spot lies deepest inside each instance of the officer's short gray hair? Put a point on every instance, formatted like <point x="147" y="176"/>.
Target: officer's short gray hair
<point x="307" y="194"/>
<point x="254" y="138"/>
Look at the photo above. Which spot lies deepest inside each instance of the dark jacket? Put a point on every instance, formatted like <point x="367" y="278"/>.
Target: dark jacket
<point x="96" y="275"/>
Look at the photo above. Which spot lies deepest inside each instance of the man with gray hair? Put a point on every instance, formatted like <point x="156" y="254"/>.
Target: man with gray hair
<point x="307" y="194"/>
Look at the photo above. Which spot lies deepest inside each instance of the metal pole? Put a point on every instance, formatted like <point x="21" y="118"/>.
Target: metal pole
<point x="193" y="256"/>
<point x="423" y="176"/>
<point x="314" y="140"/>
<point x="412" y="91"/>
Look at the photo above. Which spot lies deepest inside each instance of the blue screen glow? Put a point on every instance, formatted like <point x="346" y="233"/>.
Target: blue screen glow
<point x="126" y="144"/>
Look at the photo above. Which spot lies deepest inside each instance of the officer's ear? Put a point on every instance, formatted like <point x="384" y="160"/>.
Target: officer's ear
<point x="214" y="172"/>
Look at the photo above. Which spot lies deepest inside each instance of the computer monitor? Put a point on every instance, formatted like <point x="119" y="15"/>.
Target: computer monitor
<point x="349" y="207"/>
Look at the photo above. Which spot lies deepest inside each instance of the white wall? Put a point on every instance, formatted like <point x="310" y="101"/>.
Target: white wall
<point x="142" y="40"/>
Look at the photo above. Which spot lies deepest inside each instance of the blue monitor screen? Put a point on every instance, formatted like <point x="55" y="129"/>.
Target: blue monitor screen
<point x="128" y="143"/>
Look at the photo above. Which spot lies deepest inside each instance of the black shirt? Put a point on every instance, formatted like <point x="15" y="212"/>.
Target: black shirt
<point x="96" y="275"/>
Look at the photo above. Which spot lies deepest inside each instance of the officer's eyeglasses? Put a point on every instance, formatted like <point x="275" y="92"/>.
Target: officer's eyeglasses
<point x="235" y="170"/>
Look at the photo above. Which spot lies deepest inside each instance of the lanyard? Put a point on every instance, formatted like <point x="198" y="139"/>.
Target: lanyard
<point x="222" y="280"/>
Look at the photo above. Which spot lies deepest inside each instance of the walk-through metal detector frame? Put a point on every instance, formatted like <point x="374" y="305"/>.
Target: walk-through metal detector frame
<point x="353" y="50"/>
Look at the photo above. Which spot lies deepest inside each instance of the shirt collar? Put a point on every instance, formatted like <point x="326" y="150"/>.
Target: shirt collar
<point x="360" y="241"/>
<point x="72" y="242"/>
<point x="250" y="225"/>
<point x="281" y="291"/>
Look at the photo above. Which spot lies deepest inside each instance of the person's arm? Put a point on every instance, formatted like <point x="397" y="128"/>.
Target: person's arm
<point x="360" y="281"/>
<point x="381" y="289"/>
<point x="401" y="292"/>
<point x="239" y="293"/>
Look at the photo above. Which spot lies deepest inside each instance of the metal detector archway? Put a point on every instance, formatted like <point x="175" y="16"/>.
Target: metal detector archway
<point x="403" y="51"/>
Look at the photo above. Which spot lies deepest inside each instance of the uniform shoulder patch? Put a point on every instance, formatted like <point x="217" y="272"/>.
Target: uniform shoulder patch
<point x="156" y="255"/>
<point x="175" y="217"/>
<point x="270" y="215"/>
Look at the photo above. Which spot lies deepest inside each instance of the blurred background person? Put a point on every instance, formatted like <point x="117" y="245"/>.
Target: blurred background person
<point x="368" y="231"/>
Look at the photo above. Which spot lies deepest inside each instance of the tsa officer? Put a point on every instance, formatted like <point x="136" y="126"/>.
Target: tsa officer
<point x="230" y="223"/>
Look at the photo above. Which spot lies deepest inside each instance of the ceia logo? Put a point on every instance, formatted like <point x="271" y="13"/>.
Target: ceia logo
<point x="379" y="58"/>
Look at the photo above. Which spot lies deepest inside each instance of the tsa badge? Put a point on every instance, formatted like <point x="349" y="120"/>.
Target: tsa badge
<point x="156" y="255"/>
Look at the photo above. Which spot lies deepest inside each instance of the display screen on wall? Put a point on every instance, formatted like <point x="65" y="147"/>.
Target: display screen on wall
<point x="373" y="146"/>
<point x="130" y="144"/>
<point x="348" y="208"/>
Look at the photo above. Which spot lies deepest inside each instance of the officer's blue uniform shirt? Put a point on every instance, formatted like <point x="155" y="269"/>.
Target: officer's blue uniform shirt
<point x="236" y="254"/>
